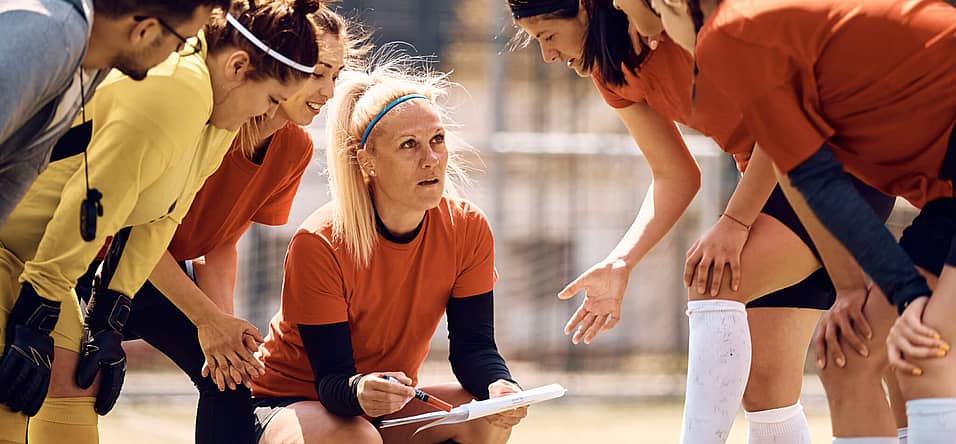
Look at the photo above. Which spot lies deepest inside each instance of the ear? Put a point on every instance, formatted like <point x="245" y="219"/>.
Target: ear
<point x="237" y="66"/>
<point x="143" y="32"/>
<point x="582" y="16"/>
<point x="366" y="161"/>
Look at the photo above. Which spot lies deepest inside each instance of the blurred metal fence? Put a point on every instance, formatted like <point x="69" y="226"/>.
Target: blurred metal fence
<point x="557" y="203"/>
<point x="560" y="180"/>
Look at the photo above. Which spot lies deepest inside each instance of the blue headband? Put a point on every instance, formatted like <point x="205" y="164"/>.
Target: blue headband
<point x="387" y="108"/>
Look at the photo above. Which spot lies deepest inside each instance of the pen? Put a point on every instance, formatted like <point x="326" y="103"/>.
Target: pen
<point x="424" y="397"/>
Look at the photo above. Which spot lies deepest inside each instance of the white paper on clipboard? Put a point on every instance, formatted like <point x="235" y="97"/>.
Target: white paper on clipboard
<point x="478" y="409"/>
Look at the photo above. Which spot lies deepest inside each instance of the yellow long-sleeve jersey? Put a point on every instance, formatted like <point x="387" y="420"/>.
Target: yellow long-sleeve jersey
<point x="150" y="152"/>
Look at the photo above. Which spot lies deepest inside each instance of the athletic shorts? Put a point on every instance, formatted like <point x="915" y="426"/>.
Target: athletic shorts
<point x="816" y="291"/>
<point x="267" y="408"/>
<point x="929" y="238"/>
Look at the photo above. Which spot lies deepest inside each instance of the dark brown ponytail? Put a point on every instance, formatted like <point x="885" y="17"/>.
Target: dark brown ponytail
<point x="286" y="26"/>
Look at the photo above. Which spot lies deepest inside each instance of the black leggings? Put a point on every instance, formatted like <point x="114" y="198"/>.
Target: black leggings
<point x="221" y="417"/>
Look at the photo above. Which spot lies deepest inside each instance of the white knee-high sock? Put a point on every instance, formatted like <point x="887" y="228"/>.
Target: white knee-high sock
<point x="718" y="366"/>
<point x="902" y="434"/>
<point x="931" y="421"/>
<point x="785" y="425"/>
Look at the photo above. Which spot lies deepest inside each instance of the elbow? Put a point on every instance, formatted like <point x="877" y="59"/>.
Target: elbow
<point x="686" y="181"/>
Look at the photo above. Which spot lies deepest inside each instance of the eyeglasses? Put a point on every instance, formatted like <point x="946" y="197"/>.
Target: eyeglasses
<point x="187" y="47"/>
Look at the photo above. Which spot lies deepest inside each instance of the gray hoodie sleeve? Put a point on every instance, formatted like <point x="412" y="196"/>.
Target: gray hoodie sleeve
<point x="43" y="43"/>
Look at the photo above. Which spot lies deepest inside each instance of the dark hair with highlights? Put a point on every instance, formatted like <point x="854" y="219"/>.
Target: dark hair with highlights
<point x="287" y="26"/>
<point x="173" y="12"/>
<point x="607" y="44"/>
<point x="355" y="45"/>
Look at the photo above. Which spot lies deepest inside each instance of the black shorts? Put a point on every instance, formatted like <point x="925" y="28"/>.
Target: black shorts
<point x="816" y="291"/>
<point x="929" y="238"/>
<point x="267" y="408"/>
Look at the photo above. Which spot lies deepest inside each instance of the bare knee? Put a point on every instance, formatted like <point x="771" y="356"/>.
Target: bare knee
<point x="779" y="338"/>
<point x="62" y="379"/>
<point x="355" y="430"/>
<point x="309" y="422"/>
<point x="483" y="432"/>
<point x="770" y="387"/>
<point x="860" y="379"/>
<point x="339" y="429"/>
<point x="858" y="370"/>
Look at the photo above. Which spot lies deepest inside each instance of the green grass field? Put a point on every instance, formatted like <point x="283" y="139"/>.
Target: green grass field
<point x="569" y="421"/>
<point x="158" y="406"/>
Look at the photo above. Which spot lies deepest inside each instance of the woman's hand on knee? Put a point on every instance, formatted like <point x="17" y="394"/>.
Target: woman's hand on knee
<point x="911" y="339"/>
<point x="509" y="418"/>
<point x="719" y="248"/>
<point x="843" y="322"/>
<point x="378" y="396"/>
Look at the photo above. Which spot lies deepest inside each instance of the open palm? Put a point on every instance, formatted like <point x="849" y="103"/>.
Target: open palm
<point x="603" y="286"/>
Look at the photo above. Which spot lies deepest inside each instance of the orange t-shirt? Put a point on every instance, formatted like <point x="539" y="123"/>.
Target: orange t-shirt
<point x="663" y="81"/>
<point x="392" y="307"/>
<point x="241" y="192"/>
<point x="876" y="80"/>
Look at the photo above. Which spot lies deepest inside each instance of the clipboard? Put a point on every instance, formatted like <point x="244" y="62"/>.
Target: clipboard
<point x="478" y="409"/>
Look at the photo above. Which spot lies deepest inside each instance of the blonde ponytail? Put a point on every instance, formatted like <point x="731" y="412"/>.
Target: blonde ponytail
<point x="358" y="97"/>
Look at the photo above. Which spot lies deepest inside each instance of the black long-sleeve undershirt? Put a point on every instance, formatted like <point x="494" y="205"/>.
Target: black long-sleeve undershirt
<point x="473" y="354"/>
<point x="329" y="348"/>
<point x="829" y="192"/>
<point x="472" y="351"/>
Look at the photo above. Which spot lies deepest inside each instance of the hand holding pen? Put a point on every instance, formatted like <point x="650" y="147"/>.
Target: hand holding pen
<point x="424" y="397"/>
<point x="380" y="397"/>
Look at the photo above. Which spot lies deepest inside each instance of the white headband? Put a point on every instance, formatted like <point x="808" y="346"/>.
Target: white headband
<point x="255" y="41"/>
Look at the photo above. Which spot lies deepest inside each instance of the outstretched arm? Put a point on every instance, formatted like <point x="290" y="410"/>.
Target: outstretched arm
<point x="676" y="179"/>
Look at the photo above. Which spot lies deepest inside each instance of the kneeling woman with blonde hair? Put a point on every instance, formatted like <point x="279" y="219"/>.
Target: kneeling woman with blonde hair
<point x="368" y="276"/>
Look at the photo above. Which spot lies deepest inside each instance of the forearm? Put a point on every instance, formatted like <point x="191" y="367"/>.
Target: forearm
<point x="216" y="276"/>
<point x="676" y="179"/>
<point x="473" y="354"/>
<point x="753" y="190"/>
<point x="329" y="350"/>
<point x="830" y="194"/>
<point x="843" y="270"/>
<point x="665" y="202"/>
<point x="173" y="283"/>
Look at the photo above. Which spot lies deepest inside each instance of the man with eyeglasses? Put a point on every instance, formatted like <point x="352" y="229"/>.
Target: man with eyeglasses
<point x="53" y="54"/>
